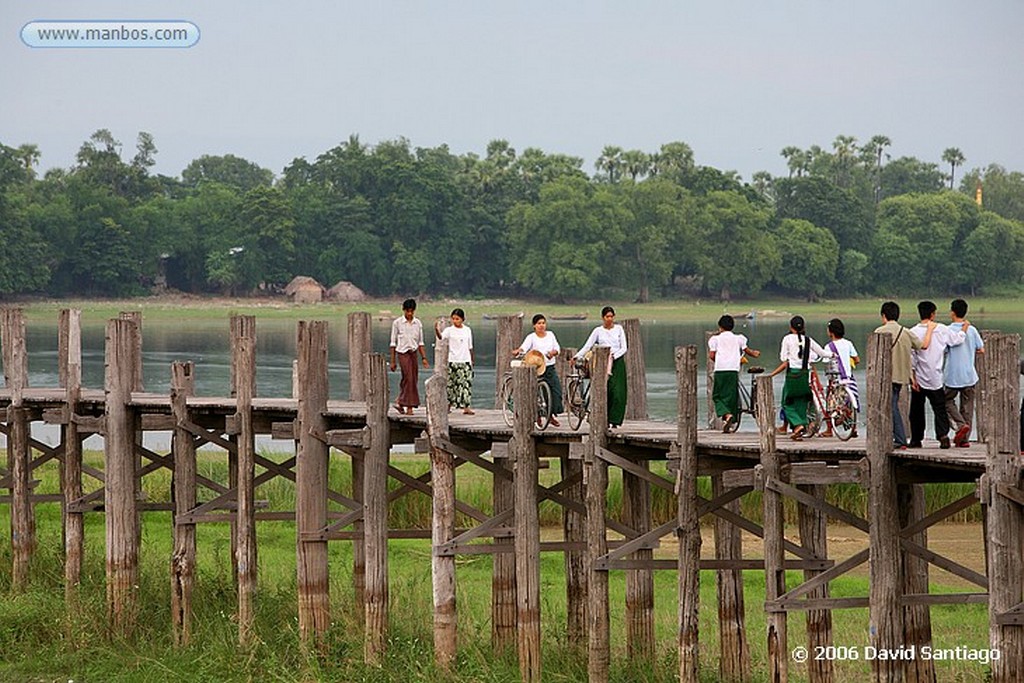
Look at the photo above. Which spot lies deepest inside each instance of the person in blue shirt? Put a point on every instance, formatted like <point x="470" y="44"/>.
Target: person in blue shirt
<point x="959" y="376"/>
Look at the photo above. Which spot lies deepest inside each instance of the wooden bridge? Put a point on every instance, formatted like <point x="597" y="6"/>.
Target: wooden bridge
<point x="363" y="429"/>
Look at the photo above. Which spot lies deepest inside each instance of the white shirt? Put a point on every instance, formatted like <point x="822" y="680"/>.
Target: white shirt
<point x="845" y="351"/>
<point x="615" y="338"/>
<point x="406" y="336"/>
<point x="790" y="351"/>
<point x="728" y="348"/>
<point x="460" y="343"/>
<point x="544" y="344"/>
<point x="927" y="363"/>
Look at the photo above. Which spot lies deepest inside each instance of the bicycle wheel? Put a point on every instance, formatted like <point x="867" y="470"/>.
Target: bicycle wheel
<point x="508" y="409"/>
<point x="813" y="418"/>
<point x="844" y="416"/>
<point x="574" y="404"/>
<point x="543" y="405"/>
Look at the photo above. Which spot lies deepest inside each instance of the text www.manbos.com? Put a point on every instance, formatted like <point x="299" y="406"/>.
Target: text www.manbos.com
<point x="110" y="34"/>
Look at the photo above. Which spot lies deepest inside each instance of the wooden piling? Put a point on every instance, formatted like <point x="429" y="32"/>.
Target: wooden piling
<point x="1006" y="579"/>
<point x="687" y="514"/>
<point x="243" y="360"/>
<point x="311" y="485"/>
<point x="120" y="501"/>
<point x="886" y="583"/>
<point x="774" y="533"/>
<point x="733" y="649"/>
<point x="814" y="537"/>
<point x="360" y="343"/>
<point x="917" y="624"/>
<point x="135" y="317"/>
<point x="183" y="559"/>
<point x="442" y="477"/>
<point x="636" y="513"/>
<point x="19" y="452"/>
<point x="503" y="577"/>
<point x="574" y="529"/>
<point x="523" y="454"/>
<point x="70" y="370"/>
<point x="595" y="470"/>
<point x="375" y="510"/>
<point x="636" y="371"/>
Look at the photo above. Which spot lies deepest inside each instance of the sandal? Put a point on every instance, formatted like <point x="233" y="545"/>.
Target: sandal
<point x="798" y="434"/>
<point x="781" y="430"/>
<point x="727" y="422"/>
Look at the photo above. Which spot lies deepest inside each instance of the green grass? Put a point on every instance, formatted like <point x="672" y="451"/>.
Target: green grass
<point x="40" y="642"/>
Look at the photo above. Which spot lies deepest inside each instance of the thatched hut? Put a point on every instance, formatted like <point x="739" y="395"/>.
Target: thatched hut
<point x="345" y="291"/>
<point x="304" y="290"/>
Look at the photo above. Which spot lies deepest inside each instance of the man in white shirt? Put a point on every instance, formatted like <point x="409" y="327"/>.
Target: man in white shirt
<point x="406" y="344"/>
<point x="927" y="382"/>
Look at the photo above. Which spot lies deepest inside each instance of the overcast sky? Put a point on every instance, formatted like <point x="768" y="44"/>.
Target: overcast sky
<point x="272" y="80"/>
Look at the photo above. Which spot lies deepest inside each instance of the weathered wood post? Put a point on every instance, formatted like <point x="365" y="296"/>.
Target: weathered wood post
<point x="243" y="360"/>
<point x="70" y="369"/>
<point x="137" y="385"/>
<point x="503" y="580"/>
<point x="183" y="560"/>
<point x="120" y="499"/>
<point x="714" y="422"/>
<point x="917" y="623"/>
<point x="360" y="343"/>
<point x="774" y="532"/>
<point x="574" y="530"/>
<point x="636" y="506"/>
<point x="981" y="393"/>
<point x="886" y="577"/>
<point x="522" y="452"/>
<point x="19" y="452"/>
<point x="311" y="484"/>
<point x="733" y="648"/>
<point x="375" y="510"/>
<point x="595" y="471"/>
<point x="687" y="513"/>
<point x="442" y="476"/>
<point x="1002" y="480"/>
<point x="814" y="537"/>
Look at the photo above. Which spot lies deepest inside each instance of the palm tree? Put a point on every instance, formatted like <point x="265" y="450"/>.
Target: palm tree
<point x="845" y="147"/>
<point x="954" y="157"/>
<point x="762" y="182"/>
<point x="792" y="155"/>
<point x="610" y="161"/>
<point x="636" y="163"/>
<point x="873" y="150"/>
<point x="674" y="158"/>
<point x="28" y="155"/>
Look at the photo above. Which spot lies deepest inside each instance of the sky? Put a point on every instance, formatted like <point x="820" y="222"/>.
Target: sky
<point x="273" y="80"/>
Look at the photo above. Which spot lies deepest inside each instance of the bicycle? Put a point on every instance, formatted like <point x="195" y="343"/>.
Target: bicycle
<point x="543" y="416"/>
<point x="834" y="405"/>
<point x="577" y="394"/>
<point x="748" y="400"/>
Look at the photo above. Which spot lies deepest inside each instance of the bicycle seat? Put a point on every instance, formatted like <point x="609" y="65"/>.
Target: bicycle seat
<point x="755" y="370"/>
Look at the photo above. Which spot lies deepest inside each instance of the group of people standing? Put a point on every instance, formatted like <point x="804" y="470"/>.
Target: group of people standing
<point x="935" y="360"/>
<point x="407" y="348"/>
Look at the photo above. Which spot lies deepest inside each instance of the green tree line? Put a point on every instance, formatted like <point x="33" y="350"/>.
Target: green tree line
<point x="398" y="219"/>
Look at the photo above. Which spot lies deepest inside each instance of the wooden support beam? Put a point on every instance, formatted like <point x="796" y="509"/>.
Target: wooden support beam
<point x="595" y="477"/>
<point x="69" y="364"/>
<point x="774" y="532"/>
<point x="688" y="514"/>
<point x="19" y="453"/>
<point x="120" y="497"/>
<point x="442" y="471"/>
<point x="503" y="578"/>
<point x="636" y="373"/>
<point x="508" y="337"/>
<point x="814" y="536"/>
<point x="917" y="623"/>
<point x="527" y="525"/>
<point x="360" y="343"/>
<point x="574" y="533"/>
<point x="311" y="486"/>
<point x="886" y="570"/>
<point x="183" y="559"/>
<point x="243" y="363"/>
<point x="375" y="520"/>
<point x="733" y="648"/>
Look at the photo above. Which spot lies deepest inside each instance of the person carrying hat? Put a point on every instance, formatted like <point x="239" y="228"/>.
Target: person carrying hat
<point x="611" y="335"/>
<point x="544" y="342"/>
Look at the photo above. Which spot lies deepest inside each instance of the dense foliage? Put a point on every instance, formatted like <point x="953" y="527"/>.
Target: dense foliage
<point x="395" y="219"/>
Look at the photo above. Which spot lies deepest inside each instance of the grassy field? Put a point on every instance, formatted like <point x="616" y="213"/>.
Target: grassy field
<point x="171" y="308"/>
<point x="39" y="642"/>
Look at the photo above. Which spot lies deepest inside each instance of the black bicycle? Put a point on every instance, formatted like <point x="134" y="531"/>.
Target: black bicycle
<point x="577" y="394"/>
<point x="543" y="414"/>
<point x="748" y="399"/>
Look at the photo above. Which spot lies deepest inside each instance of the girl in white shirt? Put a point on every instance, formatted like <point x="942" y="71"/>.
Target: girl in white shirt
<point x="545" y="342"/>
<point x="611" y="335"/>
<point x="460" y="361"/>
<point x="797" y="352"/>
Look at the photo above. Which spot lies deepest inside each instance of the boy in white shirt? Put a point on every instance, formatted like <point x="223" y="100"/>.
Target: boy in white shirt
<point x="927" y="380"/>
<point x="726" y="350"/>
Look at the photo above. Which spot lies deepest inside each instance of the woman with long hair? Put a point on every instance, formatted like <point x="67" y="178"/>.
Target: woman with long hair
<point x="796" y="355"/>
<point x="611" y="335"/>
